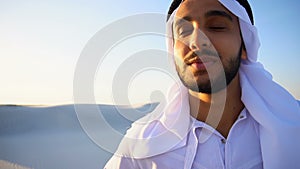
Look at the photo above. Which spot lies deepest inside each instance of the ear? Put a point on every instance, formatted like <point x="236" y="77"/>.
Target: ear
<point x="244" y="54"/>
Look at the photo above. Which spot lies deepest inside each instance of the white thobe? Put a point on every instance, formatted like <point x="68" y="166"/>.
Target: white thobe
<point x="241" y="149"/>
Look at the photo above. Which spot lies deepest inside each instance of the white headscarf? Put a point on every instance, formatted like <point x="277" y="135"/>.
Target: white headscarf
<point x="276" y="111"/>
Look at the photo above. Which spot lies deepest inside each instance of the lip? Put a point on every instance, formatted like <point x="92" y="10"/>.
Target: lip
<point x="201" y="64"/>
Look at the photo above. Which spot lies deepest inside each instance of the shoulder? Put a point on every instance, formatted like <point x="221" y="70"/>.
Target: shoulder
<point x="124" y="157"/>
<point x="138" y="136"/>
<point x="145" y="127"/>
<point x="143" y="141"/>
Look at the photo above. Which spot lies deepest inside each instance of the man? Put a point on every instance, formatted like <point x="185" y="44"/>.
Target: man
<point x="226" y="112"/>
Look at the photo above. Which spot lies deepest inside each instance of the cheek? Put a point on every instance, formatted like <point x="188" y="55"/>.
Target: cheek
<point x="227" y="46"/>
<point x="180" y="50"/>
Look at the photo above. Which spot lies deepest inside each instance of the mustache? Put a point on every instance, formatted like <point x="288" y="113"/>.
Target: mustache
<point x="197" y="54"/>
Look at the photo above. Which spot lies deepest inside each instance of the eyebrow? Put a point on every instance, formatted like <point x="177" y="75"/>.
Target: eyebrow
<point x="218" y="13"/>
<point x="183" y="20"/>
<point x="207" y="14"/>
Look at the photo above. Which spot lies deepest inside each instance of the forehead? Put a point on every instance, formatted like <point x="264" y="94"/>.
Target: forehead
<point x="196" y="9"/>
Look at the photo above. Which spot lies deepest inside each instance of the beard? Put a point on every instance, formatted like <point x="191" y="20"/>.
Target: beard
<point x="212" y="86"/>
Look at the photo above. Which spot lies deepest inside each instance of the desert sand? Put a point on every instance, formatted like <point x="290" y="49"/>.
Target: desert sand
<point x="51" y="137"/>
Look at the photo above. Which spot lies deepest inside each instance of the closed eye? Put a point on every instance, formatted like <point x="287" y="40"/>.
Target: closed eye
<point x="217" y="28"/>
<point x="183" y="32"/>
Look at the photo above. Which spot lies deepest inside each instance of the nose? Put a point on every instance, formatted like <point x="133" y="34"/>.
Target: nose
<point x="198" y="40"/>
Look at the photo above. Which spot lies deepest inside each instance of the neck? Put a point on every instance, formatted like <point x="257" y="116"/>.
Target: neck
<point x="221" y="109"/>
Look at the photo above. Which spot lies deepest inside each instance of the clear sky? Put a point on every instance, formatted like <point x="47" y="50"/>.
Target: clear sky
<point x="41" y="41"/>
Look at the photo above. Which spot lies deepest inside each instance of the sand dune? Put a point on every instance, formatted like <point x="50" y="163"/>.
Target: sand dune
<point x="52" y="138"/>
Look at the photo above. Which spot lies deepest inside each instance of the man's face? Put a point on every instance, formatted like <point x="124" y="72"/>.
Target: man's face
<point x="207" y="44"/>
